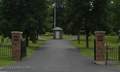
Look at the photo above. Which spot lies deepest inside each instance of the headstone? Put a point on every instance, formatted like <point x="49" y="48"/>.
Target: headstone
<point x="107" y="44"/>
<point x="109" y="36"/>
<point x="118" y="44"/>
<point x="2" y="39"/>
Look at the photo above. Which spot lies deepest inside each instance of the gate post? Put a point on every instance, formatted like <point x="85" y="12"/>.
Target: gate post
<point x="118" y="51"/>
<point x="16" y="45"/>
<point x="99" y="37"/>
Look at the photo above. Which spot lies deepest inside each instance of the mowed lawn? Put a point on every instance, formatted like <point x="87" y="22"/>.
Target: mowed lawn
<point x="89" y="52"/>
<point x="51" y="37"/>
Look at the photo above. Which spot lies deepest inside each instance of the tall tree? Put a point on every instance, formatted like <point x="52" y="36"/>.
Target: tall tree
<point x="116" y="14"/>
<point x="28" y="16"/>
<point x="73" y="15"/>
<point x="76" y="16"/>
<point x="90" y="14"/>
<point x="98" y="18"/>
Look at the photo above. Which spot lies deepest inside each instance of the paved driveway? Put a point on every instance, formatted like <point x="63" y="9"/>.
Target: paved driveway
<point x="59" y="56"/>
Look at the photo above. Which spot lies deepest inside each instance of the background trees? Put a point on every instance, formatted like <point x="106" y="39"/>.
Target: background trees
<point x="73" y="15"/>
<point x="29" y="16"/>
<point x="36" y="16"/>
<point x="115" y="15"/>
<point x="88" y="14"/>
<point x="60" y="11"/>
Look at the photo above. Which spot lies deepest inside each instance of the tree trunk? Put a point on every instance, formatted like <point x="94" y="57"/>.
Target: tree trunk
<point x="87" y="35"/>
<point x="78" y="38"/>
<point x="34" y="38"/>
<point x="37" y="35"/>
<point x="27" y="40"/>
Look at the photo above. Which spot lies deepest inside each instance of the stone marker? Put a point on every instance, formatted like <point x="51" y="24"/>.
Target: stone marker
<point x="2" y="40"/>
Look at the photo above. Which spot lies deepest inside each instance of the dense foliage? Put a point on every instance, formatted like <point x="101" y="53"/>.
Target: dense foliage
<point x="29" y="16"/>
<point x="36" y="16"/>
<point x="89" y="15"/>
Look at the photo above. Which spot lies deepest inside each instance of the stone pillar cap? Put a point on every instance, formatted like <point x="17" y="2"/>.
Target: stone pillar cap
<point x="16" y="32"/>
<point x="99" y="32"/>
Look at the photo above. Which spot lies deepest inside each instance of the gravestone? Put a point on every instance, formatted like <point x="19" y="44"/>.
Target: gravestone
<point x="109" y="36"/>
<point x="2" y="40"/>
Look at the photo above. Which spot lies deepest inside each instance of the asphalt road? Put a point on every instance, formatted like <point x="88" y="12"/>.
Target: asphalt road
<point x="59" y="56"/>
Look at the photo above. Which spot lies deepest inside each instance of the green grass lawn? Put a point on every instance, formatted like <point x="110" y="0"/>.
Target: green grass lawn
<point x="89" y="52"/>
<point x="82" y="46"/>
<point x="46" y="37"/>
<point x="66" y="36"/>
<point x="51" y="37"/>
<point x="34" y="46"/>
<point x="4" y="62"/>
<point x="30" y="50"/>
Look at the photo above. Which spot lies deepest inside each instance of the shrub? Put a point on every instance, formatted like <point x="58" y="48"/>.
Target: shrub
<point x="48" y="34"/>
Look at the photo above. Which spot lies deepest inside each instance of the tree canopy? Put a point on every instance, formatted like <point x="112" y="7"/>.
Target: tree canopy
<point x="115" y="14"/>
<point x="29" y="16"/>
<point x="36" y="16"/>
<point x="89" y="15"/>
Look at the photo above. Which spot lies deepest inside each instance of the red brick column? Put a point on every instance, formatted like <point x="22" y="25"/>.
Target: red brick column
<point x="16" y="45"/>
<point x="100" y="39"/>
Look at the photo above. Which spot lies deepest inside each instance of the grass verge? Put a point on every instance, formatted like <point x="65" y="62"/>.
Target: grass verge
<point x="34" y="46"/>
<point x="4" y="62"/>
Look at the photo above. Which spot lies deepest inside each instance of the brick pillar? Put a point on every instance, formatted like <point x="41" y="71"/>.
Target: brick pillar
<point x="100" y="39"/>
<point x="16" y="45"/>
